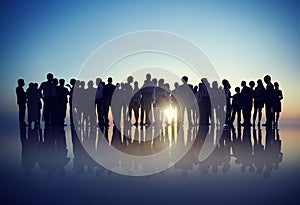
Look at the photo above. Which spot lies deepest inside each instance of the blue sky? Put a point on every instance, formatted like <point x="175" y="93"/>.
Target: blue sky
<point x="244" y="39"/>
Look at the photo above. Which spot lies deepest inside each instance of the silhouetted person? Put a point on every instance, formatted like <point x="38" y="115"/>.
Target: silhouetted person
<point x="99" y="101"/>
<point x="259" y="97"/>
<point x="195" y="108"/>
<point x="71" y="108"/>
<point x="186" y="99"/>
<point x="205" y="106"/>
<point x="277" y="102"/>
<point x="227" y="87"/>
<point x="135" y="102"/>
<point x="62" y="100"/>
<point x="159" y="101"/>
<point x="269" y="99"/>
<point x="147" y="98"/>
<point x="79" y="102"/>
<point x="252" y="85"/>
<point x="49" y="93"/>
<point x="246" y="94"/>
<point x="174" y="101"/>
<point x="108" y="91"/>
<point x="33" y="100"/>
<point x="36" y="85"/>
<point x="21" y="101"/>
<point x="128" y="92"/>
<point x="236" y="106"/>
<point x="214" y="95"/>
<point x="221" y="104"/>
<point x="89" y="114"/>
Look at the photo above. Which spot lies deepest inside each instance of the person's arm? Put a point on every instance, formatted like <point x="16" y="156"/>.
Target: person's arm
<point x="280" y="96"/>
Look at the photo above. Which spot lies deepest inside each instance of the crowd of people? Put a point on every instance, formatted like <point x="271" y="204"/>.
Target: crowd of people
<point x="204" y="104"/>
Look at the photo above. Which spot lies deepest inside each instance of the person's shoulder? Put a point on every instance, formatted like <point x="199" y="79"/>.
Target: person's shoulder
<point x="18" y="89"/>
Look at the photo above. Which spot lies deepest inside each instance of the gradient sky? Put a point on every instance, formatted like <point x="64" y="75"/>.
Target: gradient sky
<point x="244" y="39"/>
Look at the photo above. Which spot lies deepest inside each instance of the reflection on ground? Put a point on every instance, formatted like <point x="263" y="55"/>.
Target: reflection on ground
<point x="59" y="150"/>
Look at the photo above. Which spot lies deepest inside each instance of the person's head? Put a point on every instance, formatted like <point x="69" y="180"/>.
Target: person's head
<point x="82" y="84"/>
<point x="129" y="79"/>
<point x="199" y="85"/>
<point x="154" y="81"/>
<point x="136" y="84"/>
<point x="77" y="84"/>
<point x="276" y="85"/>
<point x="251" y="84"/>
<point x="148" y="76"/>
<point x="50" y="77"/>
<point x="21" y="82"/>
<point x="167" y="86"/>
<point x="237" y="89"/>
<point x="36" y="85"/>
<point x="215" y="84"/>
<point x="243" y="83"/>
<point x="259" y="82"/>
<point x="267" y="79"/>
<point x="31" y="85"/>
<point x="184" y="79"/>
<point x="195" y="88"/>
<point x="90" y="84"/>
<point x="55" y="81"/>
<point x="225" y="82"/>
<point x="61" y="82"/>
<point x="72" y="81"/>
<point x="161" y="82"/>
<point x="109" y="80"/>
<point x="176" y="84"/>
<point x="205" y="82"/>
<point x="98" y="81"/>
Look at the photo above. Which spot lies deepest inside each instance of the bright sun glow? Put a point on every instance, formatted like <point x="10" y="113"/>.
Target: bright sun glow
<point x="169" y="113"/>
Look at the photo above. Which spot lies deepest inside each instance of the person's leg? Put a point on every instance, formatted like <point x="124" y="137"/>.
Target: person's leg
<point x="254" y="115"/>
<point x="277" y="118"/>
<point x="106" y="111"/>
<point x="234" y="111"/>
<point x="148" y="114"/>
<point x="239" y="117"/>
<point x="259" y="115"/>
<point x="22" y="108"/>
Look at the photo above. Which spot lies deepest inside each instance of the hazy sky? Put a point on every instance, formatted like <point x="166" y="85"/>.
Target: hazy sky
<point x="244" y="39"/>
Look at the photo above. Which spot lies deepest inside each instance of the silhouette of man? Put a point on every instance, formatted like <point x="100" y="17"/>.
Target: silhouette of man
<point x="62" y="100"/>
<point x="147" y="98"/>
<point x="246" y="94"/>
<point x="99" y="101"/>
<point x="269" y="95"/>
<point x="227" y="87"/>
<point x="108" y="91"/>
<point x="48" y="90"/>
<point x="21" y="101"/>
<point x="259" y="93"/>
<point x="186" y="94"/>
<point x="71" y="86"/>
<point x="236" y="106"/>
<point x="135" y="102"/>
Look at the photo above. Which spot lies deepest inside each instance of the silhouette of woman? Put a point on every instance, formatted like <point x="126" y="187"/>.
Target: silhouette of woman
<point x="33" y="96"/>
<point x="21" y="101"/>
<point x="277" y="103"/>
